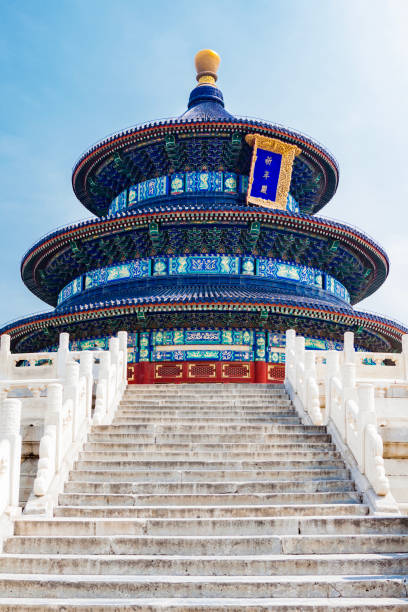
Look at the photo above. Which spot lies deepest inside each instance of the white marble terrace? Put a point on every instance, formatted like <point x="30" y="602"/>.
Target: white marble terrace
<point x="61" y="395"/>
<point x="362" y="398"/>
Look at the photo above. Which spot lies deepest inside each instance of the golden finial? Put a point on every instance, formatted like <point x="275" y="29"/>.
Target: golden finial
<point x="206" y="63"/>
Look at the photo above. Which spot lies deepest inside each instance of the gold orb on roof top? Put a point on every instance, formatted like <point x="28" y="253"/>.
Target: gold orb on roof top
<point x="206" y="63"/>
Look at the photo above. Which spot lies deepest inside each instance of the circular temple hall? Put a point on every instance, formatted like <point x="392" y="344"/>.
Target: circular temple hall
<point x="205" y="248"/>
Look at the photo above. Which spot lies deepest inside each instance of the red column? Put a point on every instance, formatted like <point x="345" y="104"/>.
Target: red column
<point x="261" y="372"/>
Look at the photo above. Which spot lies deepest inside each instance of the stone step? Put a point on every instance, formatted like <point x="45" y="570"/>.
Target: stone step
<point x="178" y="428"/>
<point x="207" y="414"/>
<point x="204" y="389"/>
<point x="209" y="604"/>
<point x="209" y="421"/>
<point x="226" y="448"/>
<point x="232" y="545"/>
<point x="205" y="565"/>
<point x="188" y="464"/>
<point x="212" y="488"/>
<point x="198" y="404"/>
<point x="210" y="389"/>
<point x="225" y="499"/>
<point x="118" y="587"/>
<point x="242" y="457"/>
<point x="218" y="526"/>
<point x="205" y="475"/>
<point x="210" y="511"/>
<point x="202" y="438"/>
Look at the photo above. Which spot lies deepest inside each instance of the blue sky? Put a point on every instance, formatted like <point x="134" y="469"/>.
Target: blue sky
<point x="73" y="71"/>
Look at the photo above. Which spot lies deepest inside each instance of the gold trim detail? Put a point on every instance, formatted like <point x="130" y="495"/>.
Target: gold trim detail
<point x="288" y="152"/>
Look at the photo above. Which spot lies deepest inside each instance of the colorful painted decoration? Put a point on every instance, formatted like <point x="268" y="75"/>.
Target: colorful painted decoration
<point x="336" y="288"/>
<point x="275" y="269"/>
<point x="254" y="345"/>
<point x="263" y="267"/>
<point x="70" y="290"/>
<point x="186" y="182"/>
<point x="204" y="264"/>
<point x="103" y="276"/>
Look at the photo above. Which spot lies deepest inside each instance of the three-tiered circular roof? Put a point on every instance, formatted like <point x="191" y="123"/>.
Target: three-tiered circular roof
<point x="207" y="140"/>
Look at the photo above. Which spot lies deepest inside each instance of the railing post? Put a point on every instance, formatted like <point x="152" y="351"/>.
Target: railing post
<point x="290" y="366"/>
<point x="123" y="342"/>
<point x="366" y="416"/>
<point x="71" y="391"/>
<point x="348" y="371"/>
<point x="332" y="371"/>
<point x="5" y="357"/>
<point x="348" y="350"/>
<point x="54" y="417"/>
<point x="300" y="365"/>
<point x="63" y="354"/>
<point x="85" y="370"/>
<point x="312" y="404"/>
<point x="10" y="419"/>
<point x="310" y="364"/>
<point x="114" y="350"/>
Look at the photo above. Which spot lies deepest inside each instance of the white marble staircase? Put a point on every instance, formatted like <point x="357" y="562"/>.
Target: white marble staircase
<point x="207" y="497"/>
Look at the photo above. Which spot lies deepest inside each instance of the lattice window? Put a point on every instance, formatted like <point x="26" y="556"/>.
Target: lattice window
<point x="236" y="370"/>
<point x="202" y="370"/>
<point x="168" y="371"/>
<point x="276" y="373"/>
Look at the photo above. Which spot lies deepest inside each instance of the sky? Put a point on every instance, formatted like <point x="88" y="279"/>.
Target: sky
<point x="74" y="71"/>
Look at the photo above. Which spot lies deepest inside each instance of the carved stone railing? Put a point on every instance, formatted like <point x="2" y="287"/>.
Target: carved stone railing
<point x="65" y="404"/>
<point x="340" y="389"/>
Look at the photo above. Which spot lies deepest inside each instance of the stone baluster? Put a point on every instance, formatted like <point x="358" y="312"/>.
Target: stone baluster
<point x="86" y="370"/>
<point x="348" y="350"/>
<point x="367" y="416"/>
<point x="290" y="365"/>
<point x="71" y="391"/>
<point x="123" y="342"/>
<point x="10" y="419"/>
<point x="300" y="366"/>
<point x="62" y="354"/>
<point x="5" y="357"/>
<point x="54" y="417"/>
<point x="332" y="371"/>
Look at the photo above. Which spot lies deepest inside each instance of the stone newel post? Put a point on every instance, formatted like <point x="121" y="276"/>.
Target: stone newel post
<point x="348" y="351"/>
<point x="63" y="354"/>
<point x="5" y="356"/>
<point x="10" y="417"/>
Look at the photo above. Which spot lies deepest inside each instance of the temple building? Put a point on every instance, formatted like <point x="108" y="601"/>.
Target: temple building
<point x="206" y="249"/>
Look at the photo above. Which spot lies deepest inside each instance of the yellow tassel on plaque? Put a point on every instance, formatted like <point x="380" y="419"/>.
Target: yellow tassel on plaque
<point x="271" y="171"/>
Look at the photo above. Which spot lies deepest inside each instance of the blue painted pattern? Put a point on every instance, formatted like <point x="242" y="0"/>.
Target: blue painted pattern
<point x="263" y="267"/>
<point x="70" y="290"/>
<point x="333" y="286"/>
<point x="275" y="269"/>
<point x="186" y="182"/>
<point x="202" y="355"/>
<point x="204" y="264"/>
<point x="202" y="336"/>
<point x="103" y="276"/>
